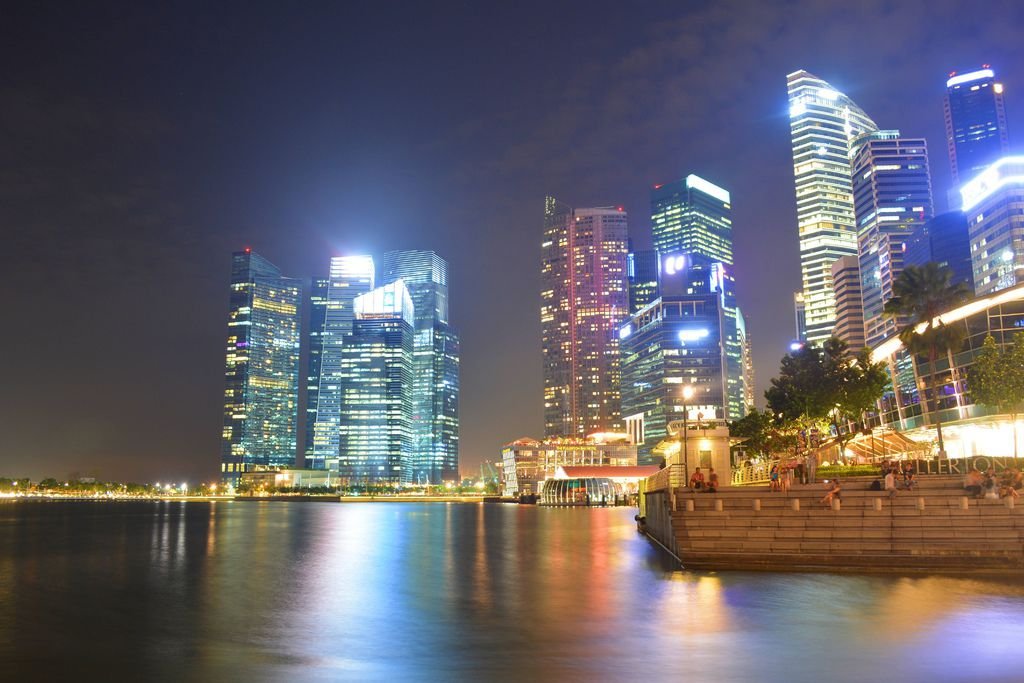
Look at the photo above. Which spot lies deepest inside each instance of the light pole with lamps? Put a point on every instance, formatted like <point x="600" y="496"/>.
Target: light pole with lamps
<point x="687" y="395"/>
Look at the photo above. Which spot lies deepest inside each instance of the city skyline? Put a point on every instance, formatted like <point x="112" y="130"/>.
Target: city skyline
<point x="137" y="194"/>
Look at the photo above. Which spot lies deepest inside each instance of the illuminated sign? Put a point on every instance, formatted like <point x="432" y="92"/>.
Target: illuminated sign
<point x="990" y="180"/>
<point x="674" y="264"/>
<point x="695" y="182"/>
<point x="968" y="77"/>
<point x="625" y="331"/>
<point x="692" y="335"/>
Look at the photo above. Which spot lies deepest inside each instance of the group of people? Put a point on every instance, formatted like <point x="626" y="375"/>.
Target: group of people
<point x="697" y="482"/>
<point x="988" y="485"/>
<point x="892" y="474"/>
<point x="780" y="478"/>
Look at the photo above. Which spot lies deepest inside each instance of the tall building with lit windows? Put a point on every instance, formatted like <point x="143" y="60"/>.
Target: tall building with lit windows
<point x="375" y="426"/>
<point x="823" y="123"/>
<point x="642" y="273"/>
<point x="261" y="394"/>
<point x="892" y="197"/>
<point x="435" y="379"/>
<point x="319" y="286"/>
<point x="849" y="307"/>
<point x="994" y="204"/>
<point x="584" y="297"/>
<point x="976" y="133"/>
<point x="692" y="216"/>
<point x="350" y="277"/>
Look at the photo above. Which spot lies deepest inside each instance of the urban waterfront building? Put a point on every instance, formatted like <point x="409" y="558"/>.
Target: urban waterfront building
<point x="800" y="315"/>
<point x="748" y="360"/>
<point x="968" y="429"/>
<point x="994" y="204"/>
<point x="846" y="281"/>
<point x="261" y="394"/>
<point x="823" y="122"/>
<point x="976" y="132"/>
<point x="642" y="273"/>
<point x="435" y="381"/>
<point x="375" y="426"/>
<point x="892" y="196"/>
<point x="350" y="277"/>
<point x="584" y="297"/>
<point x="319" y="286"/>
<point x="526" y="463"/>
<point x="945" y="240"/>
<point x="692" y="216"/>
<point x="689" y="336"/>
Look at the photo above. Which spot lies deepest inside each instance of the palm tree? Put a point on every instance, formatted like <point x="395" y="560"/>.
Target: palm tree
<point x="920" y="295"/>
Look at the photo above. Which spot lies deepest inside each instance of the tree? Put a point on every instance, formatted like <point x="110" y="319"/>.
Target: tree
<point x="762" y="432"/>
<point x="920" y="295"/>
<point x="997" y="378"/>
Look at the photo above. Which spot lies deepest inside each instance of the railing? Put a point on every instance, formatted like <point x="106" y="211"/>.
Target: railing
<point x="667" y="478"/>
<point x="752" y="474"/>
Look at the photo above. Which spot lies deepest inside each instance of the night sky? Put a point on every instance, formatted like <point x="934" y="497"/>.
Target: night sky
<point x="143" y="143"/>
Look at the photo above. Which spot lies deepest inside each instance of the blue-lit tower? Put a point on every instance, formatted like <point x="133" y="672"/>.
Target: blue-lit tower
<point x="350" y="277"/>
<point x="319" y="286"/>
<point x="435" y="383"/>
<point x="975" y="122"/>
<point x="261" y="395"/>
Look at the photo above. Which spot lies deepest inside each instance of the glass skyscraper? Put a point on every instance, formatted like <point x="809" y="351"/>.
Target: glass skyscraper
<point x="975" y="122"/>
<point x="692" y="216"/>
<point x="584" y="297"/>
<point x="350" y="277"/>
<point x="375" y="375"/>
<point x="642" y="273"/>
<point x="892" y="195"/>
<point x="943" y="239"/>
<point x="261" y="394"/>
<point x="319" y="286"/>
<point x="435" y="381"/>
<point x="994" y="204"/>
<point x="692" y="335"/>
<point x="823" y="122"/>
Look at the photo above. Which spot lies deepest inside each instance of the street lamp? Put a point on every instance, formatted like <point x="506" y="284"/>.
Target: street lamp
<point x="688" y="392"/>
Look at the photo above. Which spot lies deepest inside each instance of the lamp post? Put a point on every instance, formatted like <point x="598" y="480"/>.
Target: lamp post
<point x="687" y="395"/>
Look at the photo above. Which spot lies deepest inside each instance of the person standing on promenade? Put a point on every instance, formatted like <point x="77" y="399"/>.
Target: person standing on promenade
<point x="773" y="478"/>
<point x="810" y="465"/>
<point x="890" y="483"/>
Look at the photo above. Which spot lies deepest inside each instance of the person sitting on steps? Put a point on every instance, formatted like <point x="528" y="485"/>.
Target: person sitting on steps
<point x="712" y="480"/>
<point x="833" y="493"/>
<point x="697" y="480"/>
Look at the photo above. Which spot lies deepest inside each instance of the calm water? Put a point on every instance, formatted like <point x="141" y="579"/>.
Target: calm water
<point x="321" y="591"/>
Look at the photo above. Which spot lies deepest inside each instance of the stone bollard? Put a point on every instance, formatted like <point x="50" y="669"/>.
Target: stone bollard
<point x="718" y="505"/>
<point x="757" y="505"/>
<point x="965" y="503"/>
<point x="1009" y="502"/>
<point x="689" y="505"/>
<point x="920" y="503"/>
<point x="877" y="504"/>
<point x="836" y="505"/>
<point x="796" y="505"/>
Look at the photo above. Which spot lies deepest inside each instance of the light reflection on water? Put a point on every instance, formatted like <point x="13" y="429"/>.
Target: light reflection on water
<point x="321" y="591"/>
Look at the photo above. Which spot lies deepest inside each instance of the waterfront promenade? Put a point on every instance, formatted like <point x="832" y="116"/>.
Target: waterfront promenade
<point x="933" y="528"/>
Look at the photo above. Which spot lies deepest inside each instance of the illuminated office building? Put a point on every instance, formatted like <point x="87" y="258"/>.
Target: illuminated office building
<point x="692" y="216"/>
<point x="261" y="395"/>
<point x="375" y="426"/>
<point x="584" y="297"/>
<point x="994" y="204"/>
<point x="892" y="196"/>
<point x="435" y="381"/>
<point x="319" y="286"/>
<point x="350" y="277"/>
<point x="823" y="122"/>
<point x="846" y="281"/>
<point x="690" y="335"/>
<point x="975" y="122"/>
<point x="800" y="314"/>
<point x="642" y="273"/>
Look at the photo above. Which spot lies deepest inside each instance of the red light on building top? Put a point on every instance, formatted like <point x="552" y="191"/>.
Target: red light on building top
<point x="248" y="250"/>
<point x="622" y="208"/>
<point x="986" y="66"/>
<point x="659" y="186"/>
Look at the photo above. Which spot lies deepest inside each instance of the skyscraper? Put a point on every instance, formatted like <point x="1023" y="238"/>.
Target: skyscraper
<point x="584" y="296"/>
<point x="350" y="277"/>
<point x="823" y="122"/>
<point x="892" y="195"/>
<point x="375" y="423"/>
<point x="642" y="273"/>
<point x="945" y="240"/>
<point x="261" y="395"/>
<point x="692" y="216"/>
<point x="435" y="382"/>
<point x="689" y="335"/>
<point x="975" y="122"/>
<point x="994" y="204"/>
<point x="846" y="280"/>
<point x="319" y="286"/>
